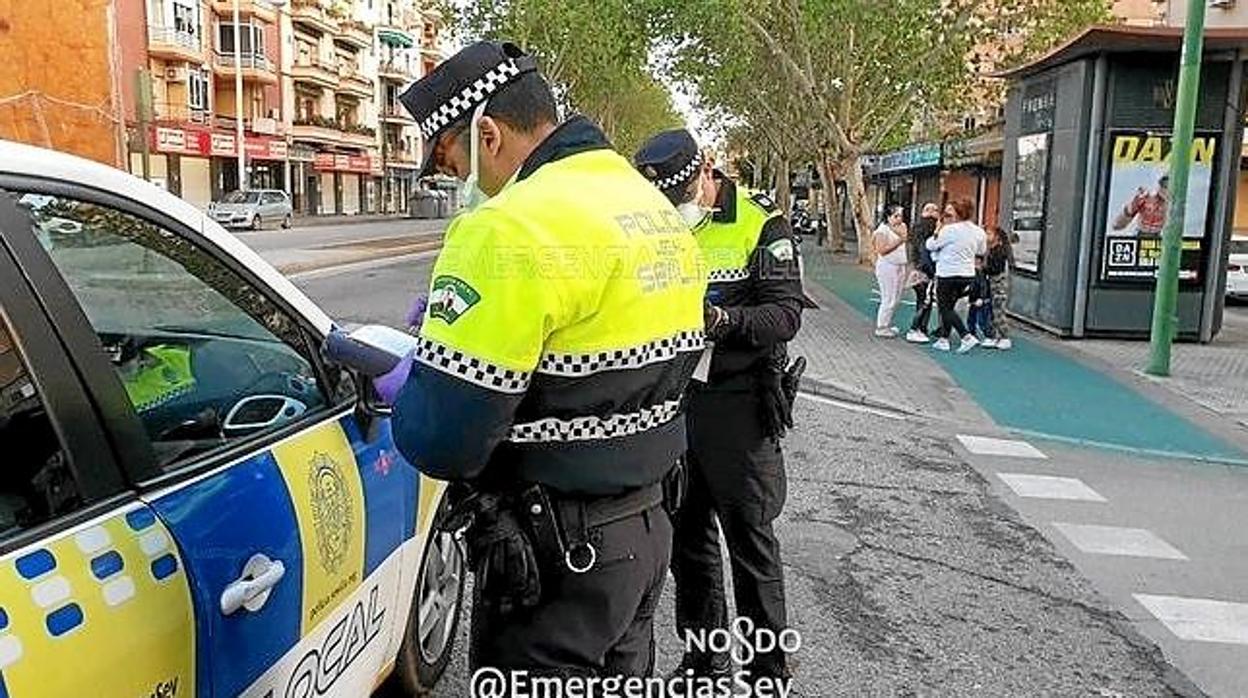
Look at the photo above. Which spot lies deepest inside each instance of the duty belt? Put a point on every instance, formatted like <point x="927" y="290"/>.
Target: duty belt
<point x="561" y="526"/>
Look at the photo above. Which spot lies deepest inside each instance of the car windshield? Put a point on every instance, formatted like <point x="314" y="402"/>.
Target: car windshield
<point x="241" y="197"/>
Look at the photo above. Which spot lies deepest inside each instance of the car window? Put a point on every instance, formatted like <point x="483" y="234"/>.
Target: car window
<point x="36" y="484"/>
<point x="241" y="197"/>
<point x="205" y="357"/>
<point x="1239" y="246"/>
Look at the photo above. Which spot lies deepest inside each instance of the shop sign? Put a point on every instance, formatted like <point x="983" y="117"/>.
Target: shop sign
<point x="911" y="158"/>
<point x="223" y="145"/>
<point x="203" y="142"/>
<point x="341" y="162"/>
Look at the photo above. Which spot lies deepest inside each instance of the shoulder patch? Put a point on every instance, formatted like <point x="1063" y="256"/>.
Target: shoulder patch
<point x="450" y="298"/>
<point x="763" y="201"/>
<point x="783" y="250"/>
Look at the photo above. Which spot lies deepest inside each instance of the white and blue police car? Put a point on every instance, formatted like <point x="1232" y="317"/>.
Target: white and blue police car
<point x="193" y="501"/>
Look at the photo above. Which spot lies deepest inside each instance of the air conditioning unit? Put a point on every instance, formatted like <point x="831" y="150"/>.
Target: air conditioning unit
<point x="176" y="73"/>
<point x="1222" y="4"/>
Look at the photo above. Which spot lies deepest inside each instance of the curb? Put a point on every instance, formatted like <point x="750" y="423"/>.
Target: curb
<point x="324" y="221"/>
<point x="835" y="391"/>
<point x="292" y="268"/>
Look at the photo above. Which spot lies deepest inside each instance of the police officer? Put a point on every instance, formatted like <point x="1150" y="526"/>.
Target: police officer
<point x="737" y="416"/>
<point x="564" y="321"/>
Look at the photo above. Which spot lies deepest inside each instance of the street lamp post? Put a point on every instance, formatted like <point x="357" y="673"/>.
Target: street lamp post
<point x="238" y="99"/>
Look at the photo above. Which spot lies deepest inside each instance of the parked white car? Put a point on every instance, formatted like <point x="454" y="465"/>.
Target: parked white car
<point x="252" y="209"/>
<point x="1237" y="270"/>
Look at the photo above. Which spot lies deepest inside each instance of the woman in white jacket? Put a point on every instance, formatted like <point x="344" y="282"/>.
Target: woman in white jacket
<point x="889" y="242"/>
<point x="955" y="247"/>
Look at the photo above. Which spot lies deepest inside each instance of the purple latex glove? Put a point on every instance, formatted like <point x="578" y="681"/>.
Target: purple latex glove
<point x="389" y="384"/>
<point x="416" y="314"/>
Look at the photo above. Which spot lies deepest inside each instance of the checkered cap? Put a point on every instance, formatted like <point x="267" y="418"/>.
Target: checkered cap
<point x="458" y="85"/>
<point x="470" y="368"/>
<point x="595" y="428"/>
<point x="670" y="159"/>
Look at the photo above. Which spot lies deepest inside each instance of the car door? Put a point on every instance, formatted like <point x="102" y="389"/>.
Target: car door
<point x="82" y="589"/>
<point x="287" y="518"/>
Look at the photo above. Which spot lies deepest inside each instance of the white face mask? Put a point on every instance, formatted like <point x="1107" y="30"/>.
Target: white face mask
<point x="693" y="214"/>
<point x="473" y="195"/>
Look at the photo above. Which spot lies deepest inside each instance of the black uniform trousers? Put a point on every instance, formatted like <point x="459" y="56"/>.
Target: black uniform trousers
<point x="736" y="475"/>
<point x="600" y="623"/>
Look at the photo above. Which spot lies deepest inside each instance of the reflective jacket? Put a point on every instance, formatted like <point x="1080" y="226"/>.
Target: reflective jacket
<point x="564" y="322"/>
<point x="755" y="274"/>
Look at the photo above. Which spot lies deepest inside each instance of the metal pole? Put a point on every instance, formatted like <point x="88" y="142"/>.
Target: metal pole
<point x="143" y="90"/>
<point x="1166" y="297"/>
<point x="238" y="99"/>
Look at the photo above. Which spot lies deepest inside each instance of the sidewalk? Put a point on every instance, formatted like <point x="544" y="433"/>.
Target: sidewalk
<point x="305" y="221"/>
<point x="1043" y="388"/>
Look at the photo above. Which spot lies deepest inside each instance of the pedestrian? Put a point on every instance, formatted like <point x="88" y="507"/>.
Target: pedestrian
<point x="923" y="273"/>
<point x="955" y="247"/>
<point x="979" y="302"/>
<point x="740" y="409"/>
<point x="551" y="401"/>
<point x="889" y="243"/>
<point x="998" y="265"/>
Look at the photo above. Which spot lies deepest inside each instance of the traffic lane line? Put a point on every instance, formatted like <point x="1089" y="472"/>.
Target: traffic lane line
<point x="361" y="265"/>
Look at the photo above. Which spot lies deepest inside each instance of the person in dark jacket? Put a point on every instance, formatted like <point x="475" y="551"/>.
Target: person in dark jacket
<point x="924" y="274"/>
<point x="998" y="264"/>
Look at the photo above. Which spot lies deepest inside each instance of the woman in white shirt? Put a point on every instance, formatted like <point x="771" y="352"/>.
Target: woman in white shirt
<point x="889" y="242"/>
<point x="955" y="247"/>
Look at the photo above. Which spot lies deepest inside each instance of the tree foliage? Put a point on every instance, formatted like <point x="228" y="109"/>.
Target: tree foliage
<point x="594" y="53"/>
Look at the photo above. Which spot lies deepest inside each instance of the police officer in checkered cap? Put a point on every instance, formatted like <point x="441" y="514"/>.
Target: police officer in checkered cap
<point x="548" y="384"/>
<point x="741" y="409"/>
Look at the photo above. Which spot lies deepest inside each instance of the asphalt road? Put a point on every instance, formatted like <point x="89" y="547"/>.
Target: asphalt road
<point x="906" y="574"/>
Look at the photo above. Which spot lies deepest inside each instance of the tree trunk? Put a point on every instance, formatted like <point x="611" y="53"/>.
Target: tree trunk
<point x="858" y="202"/>
<point x="783" y="195"/>
<point x="832" y="211"/>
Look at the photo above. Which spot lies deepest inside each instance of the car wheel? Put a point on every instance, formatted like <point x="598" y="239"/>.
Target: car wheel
<point x="257" y="223"/>
<point x="286" y="222"/>
<point x="429" y="640"/>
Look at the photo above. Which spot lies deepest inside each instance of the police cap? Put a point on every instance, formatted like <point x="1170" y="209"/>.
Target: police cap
<point x="458" y="85"/>
<point x="669" y="159"/>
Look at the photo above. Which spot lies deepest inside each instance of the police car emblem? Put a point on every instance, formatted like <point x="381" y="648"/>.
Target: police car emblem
<point x="331" y="511"/>
<point x="451" y="298"/>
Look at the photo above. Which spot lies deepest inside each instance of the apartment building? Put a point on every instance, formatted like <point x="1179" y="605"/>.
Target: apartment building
<point x="320" y="81"/>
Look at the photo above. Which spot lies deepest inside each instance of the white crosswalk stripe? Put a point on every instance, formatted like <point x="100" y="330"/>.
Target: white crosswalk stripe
<point x="987" y="446"/>
<point x="1048" y="487"/>
<point x="1115" y="540"/>
<point x="1199" y="620"/>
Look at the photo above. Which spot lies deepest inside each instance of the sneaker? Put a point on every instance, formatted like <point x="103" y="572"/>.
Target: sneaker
<point x="1005" y="344"/>
<point x="917" y="337"/>
<point x="988" y="342"/>
<point x="714" y="665"/>
<point x="941" y="344"/>
<point x="968" y="343"/>
<point x="886" y="332"/>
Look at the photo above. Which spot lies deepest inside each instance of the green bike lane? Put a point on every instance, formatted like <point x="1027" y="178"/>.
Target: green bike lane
<point x="1041" y="393"/>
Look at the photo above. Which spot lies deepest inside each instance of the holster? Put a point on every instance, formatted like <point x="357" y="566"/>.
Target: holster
<point x="675" y="487"/>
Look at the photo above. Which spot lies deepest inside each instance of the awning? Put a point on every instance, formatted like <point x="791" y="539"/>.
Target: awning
<point x="1121" y="39"/>
<point x="395" y="37"/>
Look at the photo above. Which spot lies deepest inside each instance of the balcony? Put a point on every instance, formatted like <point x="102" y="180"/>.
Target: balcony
<point x="174" y="44"/>
<point x="315" y="71"/>
<point x="397" y="71"/>
<point x="396" y="114"/>
<point x="353" y="33"/>
<point x="180" y="113"/>
<point x="262" y="10"/>
<point x="310" y="14"/>
<point x="353" y="83"/>
<point x="359" y="136"/>
<point x="320" y="129"/>
<point x="256" y="67"/>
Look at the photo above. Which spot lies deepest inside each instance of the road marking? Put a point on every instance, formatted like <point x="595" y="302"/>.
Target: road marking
<point x="1199" y="620"/>
<point x="1047" y="487"/>
<point x="361" y="265"/>
<point x="852" y="407"/>
<point x="985" y="446"/>
<point x="1114" y="540"/>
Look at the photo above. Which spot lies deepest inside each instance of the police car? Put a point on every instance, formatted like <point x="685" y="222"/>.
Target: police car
<point x="193" y="501"/>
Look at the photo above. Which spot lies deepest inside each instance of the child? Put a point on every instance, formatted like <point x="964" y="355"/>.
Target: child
<point x="979" y="317"/>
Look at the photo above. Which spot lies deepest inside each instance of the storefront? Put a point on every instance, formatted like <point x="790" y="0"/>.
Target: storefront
<point x="346" y="183"/>
<point x="908" y="178"/>
<point x="973" y="171"/>
<point x="201" y="165"/>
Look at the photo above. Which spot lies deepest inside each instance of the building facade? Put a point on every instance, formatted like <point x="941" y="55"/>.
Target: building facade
<point x="319" y="108"/>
